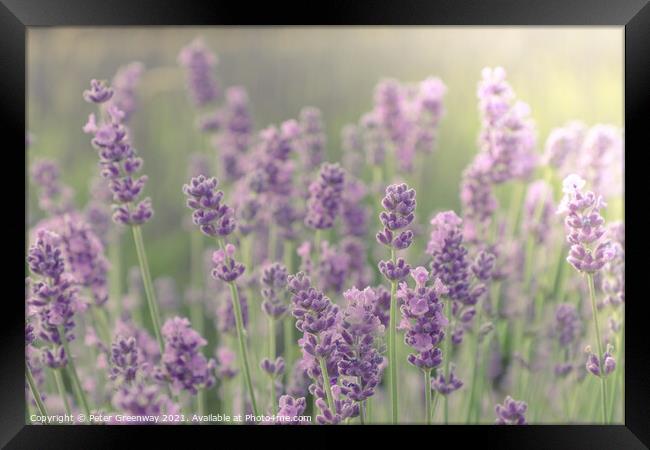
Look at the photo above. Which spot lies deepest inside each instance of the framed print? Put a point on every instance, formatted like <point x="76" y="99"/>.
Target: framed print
<point x="376" y="216"/>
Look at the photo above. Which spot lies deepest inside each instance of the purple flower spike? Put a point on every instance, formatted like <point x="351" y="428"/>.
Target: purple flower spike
<point x="199" y="62"/>
<point x="450" y="262"/>
<point x="214" y="218"/>
<point x="182" y="363"/>
<point x="567" y="324"/>
<point x="119" y="163"/>
<point x="143" y="400"/>
<point x="608" y="362"/>
<point x="315" y="313"/>
<point x="394" y="271"/>
<point x="325" y="197"/>
<point x="225" y="266"/>
<point x="124" y="360"/>
<point x="511" y="412"/>
<point x="358" y="351"/>
<point x="44" y="257"/>
<point x="444" y="386"/>
<point x="273" y="368"/>
<point x="613" y="279"/>
<point x="290" y="409"/>
<point x="99" y="92"/>
<point x="399" y="212"/>
<point x="312" y="138"/>
<point x="423" y="320"/>
<point x="53" y="299"/>
<point x="590" y="248"/>
<point x="54" y="196"/>
<point x="274" y="282"/>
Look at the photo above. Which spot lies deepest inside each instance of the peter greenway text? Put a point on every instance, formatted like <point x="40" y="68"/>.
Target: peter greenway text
<point x="164" y="418"/>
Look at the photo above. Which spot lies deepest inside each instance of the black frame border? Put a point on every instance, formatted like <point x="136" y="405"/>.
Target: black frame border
<point x="16" y="16"/>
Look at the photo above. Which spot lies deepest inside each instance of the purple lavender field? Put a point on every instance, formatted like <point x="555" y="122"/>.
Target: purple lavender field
<point x="340" y="226"/>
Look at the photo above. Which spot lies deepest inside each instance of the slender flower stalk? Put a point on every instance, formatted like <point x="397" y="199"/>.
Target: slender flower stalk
<point x="58" y="378"/>
<point x="399" y="212"/>
<point x="424" y="322"/>
<point x="274" y="280"/>
<point x="119" y="163"/>
<point x="34" y="390"/>
<point x="72" y="371"/>
<point x="601" y="374"/>
<point x="149" y="291"/>
<point x="216" y="219"/>
<point x="590" y="251"/>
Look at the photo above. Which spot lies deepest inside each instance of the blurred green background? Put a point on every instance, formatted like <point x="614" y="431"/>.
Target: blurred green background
<point x="562" y="73"/>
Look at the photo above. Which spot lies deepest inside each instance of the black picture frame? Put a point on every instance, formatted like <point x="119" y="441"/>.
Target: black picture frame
<point x="16" y="16"/>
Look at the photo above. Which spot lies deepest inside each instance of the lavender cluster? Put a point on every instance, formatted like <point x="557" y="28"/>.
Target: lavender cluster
<point x="590" y="246"/>
<point x="118" y="160"/>
<point x="464" y="281"/>
<point x="52" y="299"/>
<point x="214" y="218"/>
<point x="399" y="211"/>
<point x="199" y="63"/>
<point x="325" y="197"/>
<point x="360" y="349"/>
<point x="183" y="364"/>
<point x="422" y="319"/>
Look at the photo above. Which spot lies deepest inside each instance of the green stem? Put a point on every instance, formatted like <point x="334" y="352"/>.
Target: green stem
<point x="101" y="324"/>
<point x="34" y="389"/>
<point x="148" y="285"/>
<point x="326" y="384"/>
<point x="272" y="359"/>
<point x="243" y="349"/>
<point x="603" y="387"/>
<point x="618" y="384"/>
<point x="368" y="411"/>
<point x="200" y="401"/>
<point x="392" y="354"/>
<point x="436" y="396"/>
<point x="58" y="377"/>
<point x="427" y="396"/>
<point x="72" y="371"/>
<point x="287" y="335"/>
<point x="477" y="365"/>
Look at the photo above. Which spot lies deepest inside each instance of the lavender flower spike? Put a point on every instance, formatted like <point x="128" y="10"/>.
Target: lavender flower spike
<point x="53" y="300"/>
<point x="590" y="247"/>
<point x="399" y="211"/>
<point x="290" y="410"/>
<point x="511" y="412"/>
<point x="590" y="251"/>
<point x="214" y="218"/>
<point x="119" y="163"/>
<point x="199" y="63"/>
<point x="325" y="197"/>
<point x="183" y="364"/>
<point x="99" y="92"/>
<point x="359" y="350"/>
